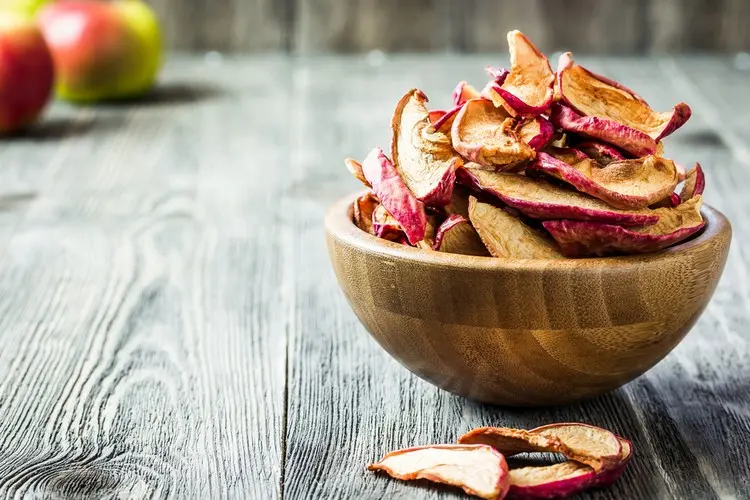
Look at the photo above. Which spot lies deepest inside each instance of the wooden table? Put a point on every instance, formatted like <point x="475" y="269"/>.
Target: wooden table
<point x="170" y="325"/>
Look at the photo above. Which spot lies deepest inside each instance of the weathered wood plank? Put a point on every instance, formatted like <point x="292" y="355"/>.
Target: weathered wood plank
<point x="226" y="25"/>
<point x="144" y="319"/>
<point x="390" y="25"/>
<point x="586" y="26"/>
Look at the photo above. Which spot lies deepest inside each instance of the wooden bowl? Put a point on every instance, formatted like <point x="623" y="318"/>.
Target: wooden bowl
<point x="525" y="332"/>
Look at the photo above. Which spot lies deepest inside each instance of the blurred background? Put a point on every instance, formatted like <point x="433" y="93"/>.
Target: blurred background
<point x="620" y="27"/>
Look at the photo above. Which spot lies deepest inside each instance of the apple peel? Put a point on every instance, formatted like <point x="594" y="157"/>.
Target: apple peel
<point x="626" y="184"/>
<point x="585" y="238"/>
<point x="394" y="196"/>
<point x="595" y="96"/>
<point x="528" y="89"/>
<point x="541" y="200"/>
<point x="506" y="236"/>
<point x="477" y="469"/>
<point x="485" y="134"/>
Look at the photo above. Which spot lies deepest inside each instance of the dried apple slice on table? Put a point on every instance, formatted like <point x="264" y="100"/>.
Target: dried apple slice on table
<point x="584" y="238"/>
<point x="626" y="184"/>
<point x="478" y="470"/>
<point x="364" y="208"/>
<point x="395" y="198"/>
<point x="422" y="155"/>
<point x="539" y="199"/>
<point x="486" y="135"/>
<point x="537" y="132"/>
<point x="596" y="447"/>
<point x="594" y="96"/>
<point x="528" y="88"/>
<point x="509" y="441"/>
<point x="507" y="236"/>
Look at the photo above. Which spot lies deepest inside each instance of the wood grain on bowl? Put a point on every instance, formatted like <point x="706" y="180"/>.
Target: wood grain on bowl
<point x="525" y="332"/>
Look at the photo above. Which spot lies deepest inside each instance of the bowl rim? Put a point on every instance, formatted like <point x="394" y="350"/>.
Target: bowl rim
<point x="340" y="225"/>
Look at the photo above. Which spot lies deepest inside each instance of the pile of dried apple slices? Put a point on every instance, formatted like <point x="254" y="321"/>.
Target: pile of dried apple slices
<point x="539" y="164"/>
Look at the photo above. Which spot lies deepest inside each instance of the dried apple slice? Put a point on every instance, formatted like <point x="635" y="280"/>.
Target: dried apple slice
<point x="385" y="225"/>
<point x="626" y="184"/>
<point x="550" y="481"/>
<point x="394" y="196"/>
<point x="596" y="447"/>
<point x="364" y="208"/>
<point x="527" y="90"/>
<point x="457" y="235"/>
<point x="626" y="138"/>
<point x="355" y="168"/>
<point x="604" y="154"/>
<point x="430" y="232"/>
<point x="510" y="441"/>
<point x="485" y="134"/>
<point x="435" y="115"/>
<point x="423" y="156"/>
<point x="581" y="238"/>
<point x="594" y="96"/>
<point x="537" y="132"/>
<point x="463" y="92"/>
<point x="444" y="122"/>
<point x="478" y="470"/>
<point x="571" y="156"/>
<point x="542" y="200"/>
<point x="498" y="75"/>
<point x="695" y="183"/>
<point x="508" y="237"/>
<point x="670" y="201"/>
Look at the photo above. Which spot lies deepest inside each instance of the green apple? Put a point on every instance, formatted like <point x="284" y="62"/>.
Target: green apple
<point x="26" y="72"/>
<point x="102" y="50"/>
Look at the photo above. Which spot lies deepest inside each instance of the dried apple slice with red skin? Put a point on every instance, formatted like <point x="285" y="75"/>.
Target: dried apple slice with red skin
<point x="433" y="222"/>
<point x="355" y="168"/>
<point x="596" y="447"/>
<point x="463" y="92"/>
<point x="551" y="481"/>
<point x="424" y="157"/>
<point x="528" y="88"/>
<point x="670" y="201"/>
<point x="541" y="200"/>
<point x="485" y="134"/>
<point x="584" y="239"/>
<point x="457" y="235"/>
<point x="364" y="208"/>
<point x="394" y="196"/>
<point x="592" y="95"/>
<point x="509" y="441"/>
<point x="436" y="114"/>
<point x="571" y="156"/>
<point x="604" y="154"/>
<point x="626" y="138"/>
<point x="626" y="184"/>
<point x="478" y="470"/>
<point x="444" y="123"/>
<point x="537" y="132"/>
<point x="508" y="237"/>
<point x="385" y="226"/>
<point x="498" y="75"/>
<point x="695" y="183"/>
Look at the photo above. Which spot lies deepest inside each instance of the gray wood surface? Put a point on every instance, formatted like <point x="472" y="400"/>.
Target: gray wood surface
<point x="170" y="326"/>
<point x="586" y="26"/>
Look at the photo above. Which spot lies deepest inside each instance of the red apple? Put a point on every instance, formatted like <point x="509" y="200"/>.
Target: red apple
<point x="26" y="72"/>
<point x="102" y="50"/>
